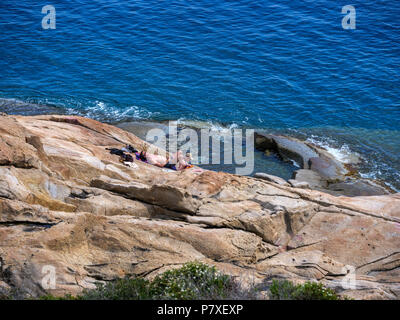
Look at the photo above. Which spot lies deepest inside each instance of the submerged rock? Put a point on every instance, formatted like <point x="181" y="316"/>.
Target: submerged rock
<point x="69" y="205"/>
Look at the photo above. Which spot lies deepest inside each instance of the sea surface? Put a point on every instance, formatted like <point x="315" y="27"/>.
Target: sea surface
<point x="283" y="66"/>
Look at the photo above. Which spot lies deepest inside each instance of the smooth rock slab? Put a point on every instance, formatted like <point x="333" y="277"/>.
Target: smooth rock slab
<point x="327" y="168"/>
<point x="294" y="150"/>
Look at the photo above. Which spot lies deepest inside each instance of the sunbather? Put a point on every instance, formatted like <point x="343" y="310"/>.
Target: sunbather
<point x="176" y="161"/>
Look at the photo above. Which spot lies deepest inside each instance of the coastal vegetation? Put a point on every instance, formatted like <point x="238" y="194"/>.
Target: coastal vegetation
<point x="286" y="290"/>
<point x="194" y="281"/>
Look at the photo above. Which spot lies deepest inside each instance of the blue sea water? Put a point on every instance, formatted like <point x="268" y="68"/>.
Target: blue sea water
<point x="285" y="66"/>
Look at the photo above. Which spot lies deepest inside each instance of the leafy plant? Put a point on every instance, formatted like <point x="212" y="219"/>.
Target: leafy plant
<point x="66" y="297"/>
<point x="195" y="280"/>
<point x="121" y="289"/>
<point x="192" y="281"/>
<point x="286" y="290"/>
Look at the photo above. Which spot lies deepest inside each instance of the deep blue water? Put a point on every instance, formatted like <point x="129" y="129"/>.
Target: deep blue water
<point x="281" y="65"/>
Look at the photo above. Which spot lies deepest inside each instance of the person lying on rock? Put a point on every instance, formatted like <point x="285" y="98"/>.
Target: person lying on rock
<point x="176" y="161"/>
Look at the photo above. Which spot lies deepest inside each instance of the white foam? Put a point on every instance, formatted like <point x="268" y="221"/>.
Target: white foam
<point x="295" y="163"/>
<point x="214" y="127"/>
<point x="391" y="186"/>
<point x="343" y="154"/>
<point x="376" y="173"/>
<point x="101" y="110"/>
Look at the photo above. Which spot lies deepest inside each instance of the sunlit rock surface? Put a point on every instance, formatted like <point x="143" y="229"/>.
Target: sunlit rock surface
<point x="66" y="202"/>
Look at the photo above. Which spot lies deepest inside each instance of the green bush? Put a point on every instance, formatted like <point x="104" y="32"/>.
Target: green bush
<point x="192" y="281"/>
<point x="196" y="280"/>
<point x="5" y="297"/>
<point x="121" y="289"/>
<point x="12" y="294"/>
<point x="286" y="290"/>
<point x="66" y="297"/>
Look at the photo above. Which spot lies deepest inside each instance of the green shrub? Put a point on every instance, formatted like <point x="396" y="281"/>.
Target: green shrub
<point x="121" y="289"/>
<point x="196" y="280"/>
<point x="286" y="290"/>
<point x="5" y="297"/>
<point x="66" y="297"/>
<point x="192" y="281"/>
<point x="12" y="294"/>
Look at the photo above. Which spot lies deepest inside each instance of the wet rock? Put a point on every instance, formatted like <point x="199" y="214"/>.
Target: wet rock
<point x="328" y="169"/>
<point x="264" y="142"/>
<point x="295" y="150"/>
<point x="287" y="148"/>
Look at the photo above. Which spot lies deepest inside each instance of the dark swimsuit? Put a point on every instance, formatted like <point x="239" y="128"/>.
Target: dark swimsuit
<point x="173" y="166"/>
<point x="170" y="166"/>
<point x="141" y="156"/>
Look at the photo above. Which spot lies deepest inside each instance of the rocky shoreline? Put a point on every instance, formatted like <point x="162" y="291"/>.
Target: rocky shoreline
<point x="319" y="169"/>
<point x="65" y="202"/>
